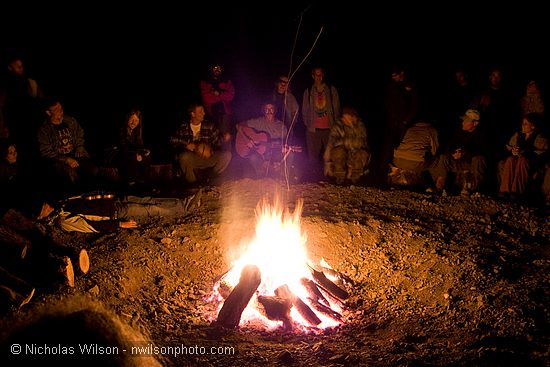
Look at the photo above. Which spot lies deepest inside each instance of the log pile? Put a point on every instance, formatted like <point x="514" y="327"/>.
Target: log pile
<point x="30" y="260"/>
<point x="321" y="292"/>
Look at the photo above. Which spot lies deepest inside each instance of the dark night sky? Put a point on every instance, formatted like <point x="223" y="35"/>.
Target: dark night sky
<point x="100" y="60"/>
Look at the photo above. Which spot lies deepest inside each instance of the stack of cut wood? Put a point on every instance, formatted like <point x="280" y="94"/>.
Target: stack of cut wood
<point x="26" y="264"/>
<point x="321" y="293"/>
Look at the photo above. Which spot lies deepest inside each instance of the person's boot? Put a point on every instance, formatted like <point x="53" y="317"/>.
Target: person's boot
<point x="440" y="184"/>
<point x="355" y="175"/>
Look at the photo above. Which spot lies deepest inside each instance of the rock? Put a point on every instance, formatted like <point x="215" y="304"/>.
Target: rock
<point x="94" y="290"/>
<point x="285" y="357"/>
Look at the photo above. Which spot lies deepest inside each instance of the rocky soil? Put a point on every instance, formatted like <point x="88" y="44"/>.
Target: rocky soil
<point x="436" y="281"/>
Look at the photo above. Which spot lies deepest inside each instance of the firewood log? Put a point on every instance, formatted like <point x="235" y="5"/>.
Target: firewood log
<point x="303" y="309"/>
<point x="233" y="307"/>
<point x="79" y="256"/>
<point x="62" y="268"/>
<point x="13" y="246"/>
<point x="13" y="290"/>
<point x="276" y="308"/>
<point x="328" y="285"/>
<point x="325" y="310"/>
<point x="314" y="291"/>
<point x="341" y="277"/>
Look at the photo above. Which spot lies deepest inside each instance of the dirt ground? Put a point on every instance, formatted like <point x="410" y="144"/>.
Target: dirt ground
<point x="436" y="281"/>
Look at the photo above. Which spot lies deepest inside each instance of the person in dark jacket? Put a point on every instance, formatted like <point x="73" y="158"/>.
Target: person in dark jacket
<point x="61" y="146"/>
<point x="465" y="157"/>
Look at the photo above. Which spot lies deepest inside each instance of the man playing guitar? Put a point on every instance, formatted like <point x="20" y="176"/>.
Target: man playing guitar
<point x="258" y="138"/>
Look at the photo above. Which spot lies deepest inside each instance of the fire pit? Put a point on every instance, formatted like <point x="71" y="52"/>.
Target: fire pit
<point x="274" y="284"/>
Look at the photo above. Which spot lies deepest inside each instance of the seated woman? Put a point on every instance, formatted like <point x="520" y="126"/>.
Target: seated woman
<point x="347" y="156"/>
<point x="528" y="148"/>
<point x="9" y="166"/>
<point x="16" y="178"/>
<point x="132" y="159"/>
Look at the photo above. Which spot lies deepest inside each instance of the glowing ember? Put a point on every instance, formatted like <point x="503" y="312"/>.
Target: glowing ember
<point x="278" y="250"/>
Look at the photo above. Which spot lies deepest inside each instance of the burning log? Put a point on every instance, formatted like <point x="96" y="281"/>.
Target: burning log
<point x="303" y="309"/>
<point x="234" y="305"/>
<point x="14" y="290"/>
<point x="342" y="277"/>
<point x="325" y="310"/>
<point x="328" y="285"/>
<point x="313" y="291"/>
<point x="224" y="289"/>
<point x="276" y="308"/>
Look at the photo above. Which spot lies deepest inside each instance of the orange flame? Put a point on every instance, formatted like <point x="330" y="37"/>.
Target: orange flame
<point x="279" y="251"/>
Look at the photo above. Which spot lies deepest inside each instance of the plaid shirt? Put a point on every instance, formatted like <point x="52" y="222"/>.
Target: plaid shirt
<point x="208" y="133"/>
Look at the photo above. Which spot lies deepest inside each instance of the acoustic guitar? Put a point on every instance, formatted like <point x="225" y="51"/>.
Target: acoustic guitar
<point x="249" y="140"/>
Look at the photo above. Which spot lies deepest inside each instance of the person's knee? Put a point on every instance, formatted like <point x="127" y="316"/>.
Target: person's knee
<point x="338" y="154"/>
<point x="184" y="160"/>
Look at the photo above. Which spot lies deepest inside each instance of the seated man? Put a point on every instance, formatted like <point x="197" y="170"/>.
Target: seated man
<point x="198" y="145"/>
<point x="61" y="145"/>
<point x="346" y="155"/>
<point x="415" y="155"/>
<point x="107" y="213"/>
<point x="260" y="140"/>
<point x="465" y="157"/>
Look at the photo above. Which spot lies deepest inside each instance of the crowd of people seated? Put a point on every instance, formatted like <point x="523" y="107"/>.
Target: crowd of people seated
<point x="477" y="148"/>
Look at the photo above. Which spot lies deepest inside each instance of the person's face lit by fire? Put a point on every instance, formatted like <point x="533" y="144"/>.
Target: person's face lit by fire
<point x="318" y="75"/>
<point x="55" y="113"/>
<point x="282" y="85"/>
<point x="197" y="116"/>
<point x="16" y="67"/>
<point x="469" y="125"/>
<point x="269" y="111"/>
<point x="527" y="127"/>
<point x="461" y="78"/>
<point x="133" y="121"/>
<point x="217" y="71"/>
<point x="495" y="79"/>
<point x="11" y="154"/>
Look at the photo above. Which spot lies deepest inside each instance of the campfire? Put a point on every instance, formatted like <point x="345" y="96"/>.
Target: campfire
<point x="274" y="284"/>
